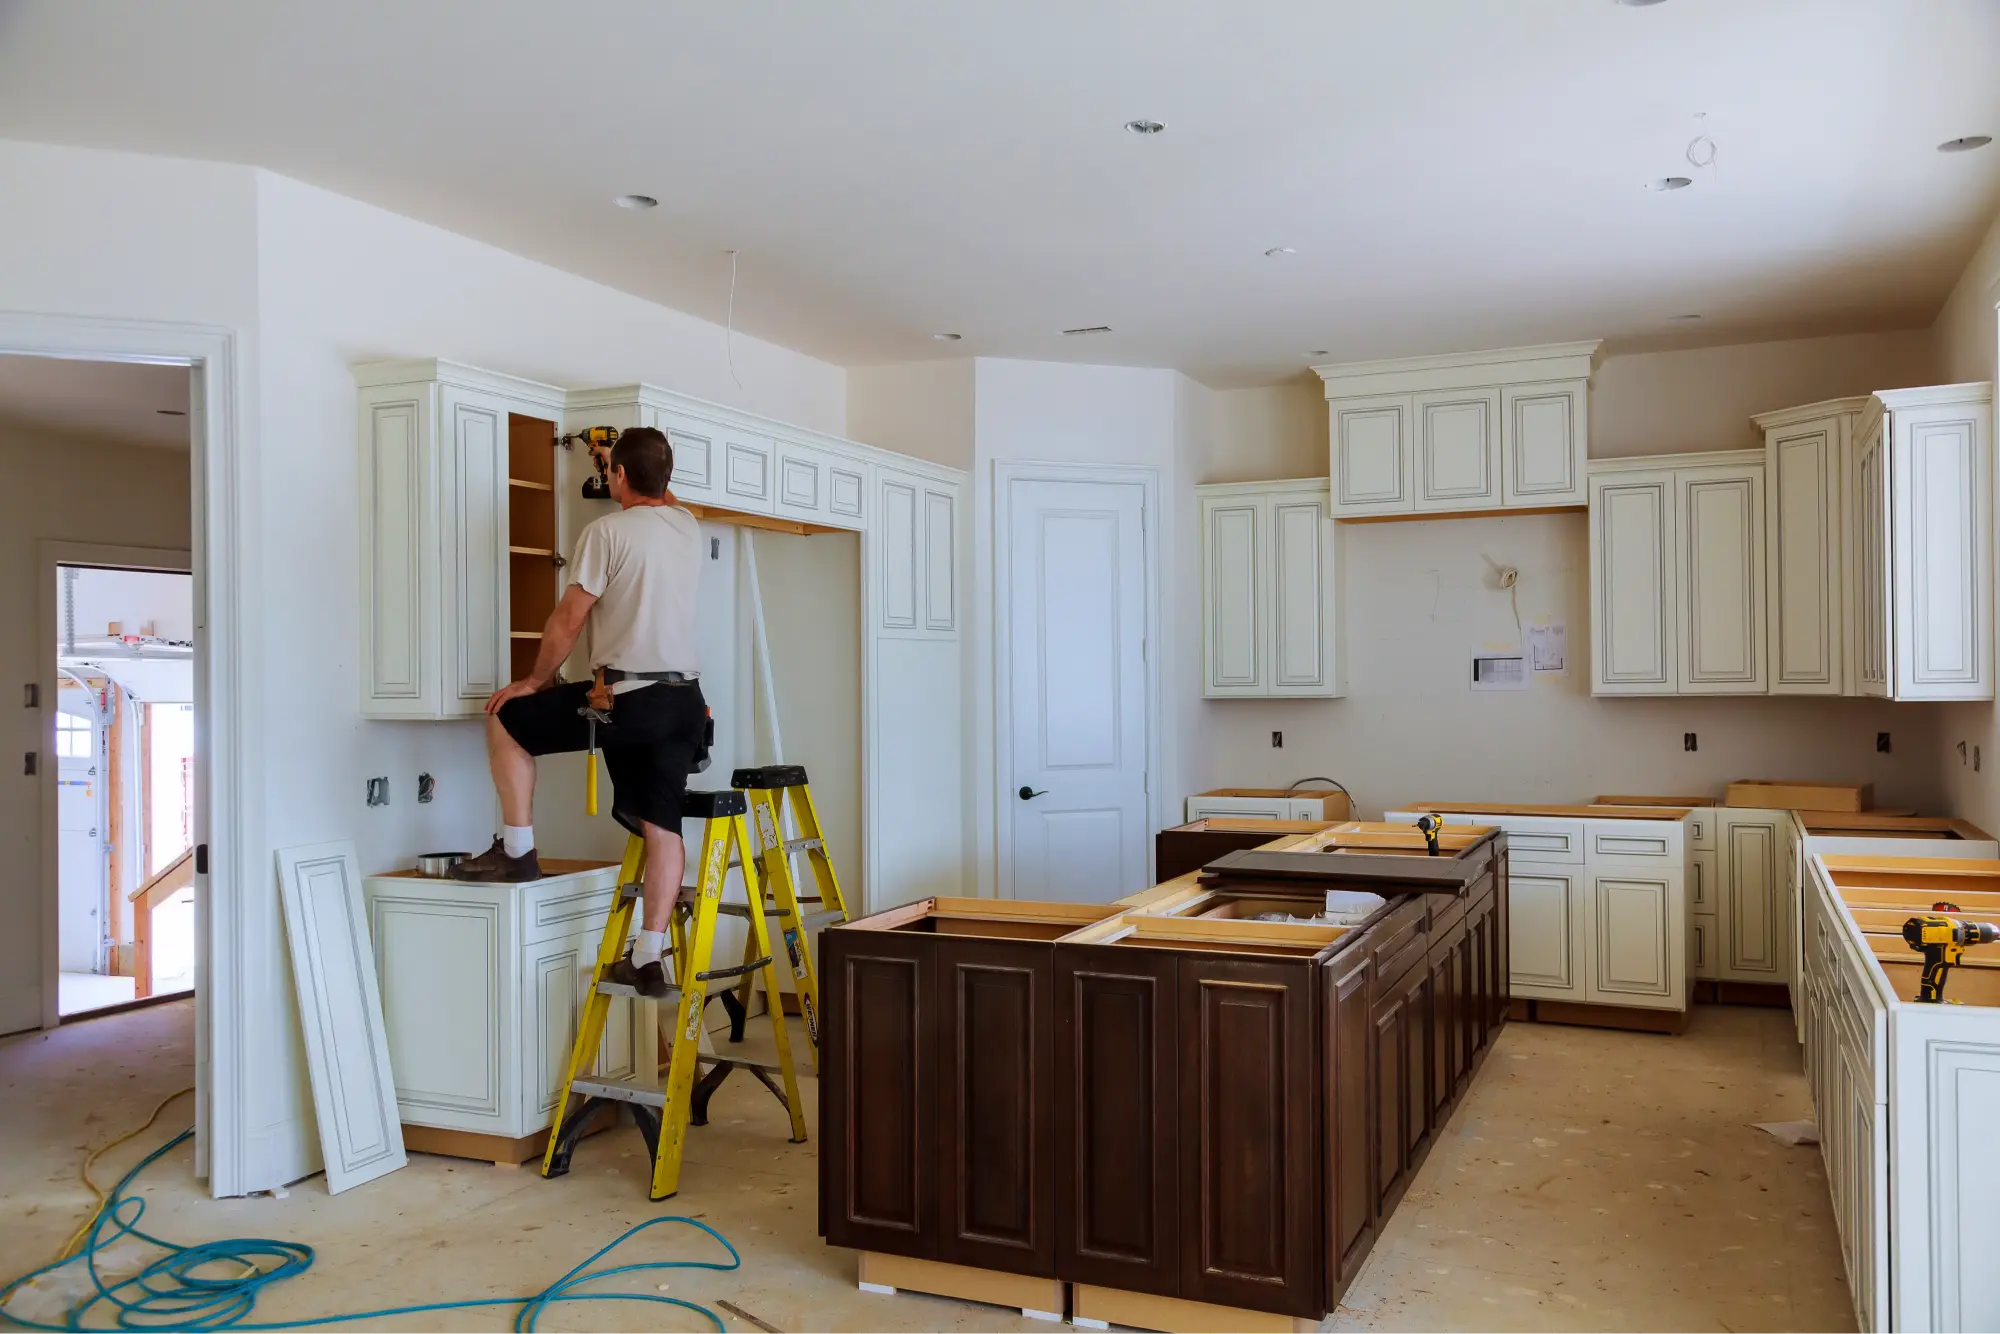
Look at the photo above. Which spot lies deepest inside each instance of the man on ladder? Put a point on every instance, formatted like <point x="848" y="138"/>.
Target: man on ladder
<point x="634" y="579"/>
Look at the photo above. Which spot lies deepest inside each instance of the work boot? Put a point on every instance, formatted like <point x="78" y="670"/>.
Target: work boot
<point x="495" y="867"/>
<point x="648" y="979"/>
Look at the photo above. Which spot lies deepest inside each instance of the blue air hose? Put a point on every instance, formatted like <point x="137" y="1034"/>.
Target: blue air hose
<point x="174" y="1292"/>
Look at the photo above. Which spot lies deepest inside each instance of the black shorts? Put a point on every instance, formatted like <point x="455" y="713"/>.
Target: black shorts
<point x="649" y="745"/>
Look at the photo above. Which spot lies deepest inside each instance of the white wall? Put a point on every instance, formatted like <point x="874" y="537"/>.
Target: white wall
<point x="72" y="492"/>
<point x="1968" y="348"/>
<point x="131" y="598"/>
<point x="920" y="408"/>
<point x="1419" y="598"/>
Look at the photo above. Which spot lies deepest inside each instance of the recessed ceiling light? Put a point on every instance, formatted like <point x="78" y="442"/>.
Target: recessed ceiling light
<point x="1145" y="126"/>
<point x="1670" y="183"/>
<point x="947" y="338"/>
<point x="637" y="201"/>
<point x="1087" y="329"/>
<point x="170" y="412"/>
<point x="1966" y="144"/>
<point x="1683" y="318"/>
<point x="1278" y="250"/>
<point x="1638" y="4"/>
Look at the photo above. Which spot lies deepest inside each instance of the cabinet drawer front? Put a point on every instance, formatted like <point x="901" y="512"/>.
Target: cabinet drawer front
<point x="1703" y="894"/>
<point x="1240" y="808"/>
<point x="1700" y="827"/>
<point x="1533" y="838"/>
<point x="1651" y="841"/>
<point x="568" y="906"/>
<point x="1705" y="937"/>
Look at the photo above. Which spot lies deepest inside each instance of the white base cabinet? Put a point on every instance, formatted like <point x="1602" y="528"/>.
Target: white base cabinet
<point x="1270" y="601"/>
<point x="1597" y="910"/>
<point x="482" y="986"/>
<point x="1753" y="901"/>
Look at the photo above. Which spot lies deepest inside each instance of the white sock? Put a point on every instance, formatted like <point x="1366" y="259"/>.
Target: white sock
<point x="648" y="947"/>
<point x="518" y="839"/>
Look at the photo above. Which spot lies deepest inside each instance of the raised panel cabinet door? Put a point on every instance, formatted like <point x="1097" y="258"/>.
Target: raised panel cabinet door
<point x="1802" y="506"/>
<point x="1232" y="638"/>
<point x="445" y="1037"/>
<point x="399" y="567"/>
<point x="748" y="466"/>
<point x="996" y="1097"/>
<point x="1374" y="469"/>
<point x="1634" y="625"/>
<point x="1544" y="434"/>
<point x="878" y="1092"/>
<point x="1871" y="539"/>
<point x="1250" y="1135"/>
<point x="1721" y="540"/>
<point x="1117" y="1101"/>
<point x="1633" y="954"/>
<point x="1446" y="962"/>
<point x="697" y="450"/>
<point x="555" y="974"/>
<point x="473" y="532"/>
<point x="1545" y="932"/>
<point x="1348" y="1099"/>
<point x="802" y="483"/>
<point x="1301" y="657"/>
<point x="940" y="559"/>
<point x="1391" y="1059"/>
<point x="1458" y="449"/>
<point x="1750" y="913"/>
<point x="897" y="535"/>
<point x="1942" y="553"/>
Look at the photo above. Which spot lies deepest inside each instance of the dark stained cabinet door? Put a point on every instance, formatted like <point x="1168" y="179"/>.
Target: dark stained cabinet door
<point x="1348" y="1100"/>
<point x="1447" y="1027"/>
<point x="1250" y="1135"/>
<point x="1479" y="1004"/>
<point x="1419" y="1039"/>
<point x="996" y="1137"/>
<point x="878" y="1178"/>
<point x="1117" y="1101"/>
<point x="1468" y="1018"/>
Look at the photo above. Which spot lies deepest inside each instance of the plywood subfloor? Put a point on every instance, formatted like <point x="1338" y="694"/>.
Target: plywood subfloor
<point x="1593" y="1180"/>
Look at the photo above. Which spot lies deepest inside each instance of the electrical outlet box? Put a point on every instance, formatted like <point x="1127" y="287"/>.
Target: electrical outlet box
<point x="426" y="789"/>
<point x="1688" y="741"/>
<point x="1882" y="742"/>
<point x="1277" y="740"/>
<point x="378" y="792"/>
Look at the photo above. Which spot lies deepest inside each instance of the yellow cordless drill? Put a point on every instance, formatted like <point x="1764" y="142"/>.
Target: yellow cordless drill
<point x="1942" y="942"/>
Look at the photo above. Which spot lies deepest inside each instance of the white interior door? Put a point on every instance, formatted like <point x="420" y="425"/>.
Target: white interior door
<point x="80" y="811"/>
<point x="1075" y="622"/>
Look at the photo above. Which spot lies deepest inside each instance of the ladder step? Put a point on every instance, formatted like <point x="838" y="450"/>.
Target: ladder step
<point x="672" y="997"/>
<point x="741" y="1062"/>
<point x="811" y="919"/>
<point x="792" y="845"/>
<point x="621" y="1090"/>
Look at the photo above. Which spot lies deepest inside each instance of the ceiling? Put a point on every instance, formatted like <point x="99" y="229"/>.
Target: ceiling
<point x="1451" y="174"/>
<point x="94" y="402"/>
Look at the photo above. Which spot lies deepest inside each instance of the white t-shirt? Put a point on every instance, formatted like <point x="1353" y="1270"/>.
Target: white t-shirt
<point x="644" y="565"/>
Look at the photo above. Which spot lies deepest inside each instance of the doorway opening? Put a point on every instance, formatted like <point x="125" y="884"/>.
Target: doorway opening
<point x="124" y="754"/>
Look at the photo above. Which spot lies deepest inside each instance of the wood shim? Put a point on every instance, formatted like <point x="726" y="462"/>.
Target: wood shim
<point x="340" y="1009"/>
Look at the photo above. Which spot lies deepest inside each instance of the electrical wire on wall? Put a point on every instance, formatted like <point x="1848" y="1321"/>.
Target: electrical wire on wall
<point x="1509" y="578"/>
<point x="729" y="324"/>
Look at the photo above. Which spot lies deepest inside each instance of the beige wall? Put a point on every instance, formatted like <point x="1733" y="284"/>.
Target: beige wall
<point x="921" y="408"/>
<point x="1968" y="348"/>
<point x="1420" y="598"/>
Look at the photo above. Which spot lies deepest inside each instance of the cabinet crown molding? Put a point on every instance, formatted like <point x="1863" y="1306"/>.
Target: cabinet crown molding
<point x="374" y="374"/>
<point x="1460" y="370"/>
<point x="1708" y="458"/>
<point x="1301" y="485"/>
<point x="1832" y="407"/>
<point x="1971" y="392"/>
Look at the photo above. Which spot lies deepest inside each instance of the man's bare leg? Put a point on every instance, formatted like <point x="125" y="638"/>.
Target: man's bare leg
<point x="513" y="774"/>
<point x="666" y="864"/>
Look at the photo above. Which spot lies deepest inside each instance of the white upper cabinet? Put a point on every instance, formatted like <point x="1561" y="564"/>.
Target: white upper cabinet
<point x="1805" y="462"/>
<point x="917" y="537"/>
<point x="1460" y="434"/>
<point x="1940" y="551"/>
<point x="1269" y="560"/>
<point x="434" y="443"/>
<point x="1677" y="575"/>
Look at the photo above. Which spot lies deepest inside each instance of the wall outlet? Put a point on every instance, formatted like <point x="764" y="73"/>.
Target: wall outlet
<point x="1277" y="741"/>
<point x="31" y="696"/>
<point x="1975" y="759"/>
<point x="28" y="764"/>
<point x="426" y="789"/>
<point x="378" y="792"/>
<point x="1687" y="741"/>
<point x="1882" y="742"/>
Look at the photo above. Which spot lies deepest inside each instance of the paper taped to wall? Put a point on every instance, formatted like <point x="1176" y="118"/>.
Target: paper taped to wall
<point x="1548" y="646"/>
<point x="1508" y="672"/>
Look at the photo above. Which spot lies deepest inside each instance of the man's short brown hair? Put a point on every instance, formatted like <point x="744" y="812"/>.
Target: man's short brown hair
<point x="646" y="457"/>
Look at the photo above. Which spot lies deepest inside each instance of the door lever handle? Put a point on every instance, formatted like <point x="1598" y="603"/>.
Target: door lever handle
<point x="1029" y="794"/>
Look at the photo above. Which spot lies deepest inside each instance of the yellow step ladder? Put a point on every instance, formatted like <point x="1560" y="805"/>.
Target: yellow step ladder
<point x="770" y="789"/>
<point x="665" y="1112"/>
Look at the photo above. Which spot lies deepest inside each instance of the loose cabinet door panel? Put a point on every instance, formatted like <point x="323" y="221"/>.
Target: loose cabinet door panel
<point x="1250" y="1135"/>
<point x="1753" y="945"/>
<point x="1803" y="507"/>
<point x="1942" y="549"/>
<point x="1721" y="542"/>
<point x="996" y="1059"/>
<point x="1458" y="449"/>
<point x="878" y="1093"/>
<point x="1871" y="511"/>
<point x="1635" y="959"/>
<point x="1542" y="434"/>
<point x="1545" y="925"/>
<point x="1234" y="651"/>
<point x="1299" y="603"/>
<point x="1117" y="1104"/>
<point x="1348" y="1034"/>
<point x="473" y="470"/>
<point x="1373" y="455"/>
<point x="1634" y="621"/>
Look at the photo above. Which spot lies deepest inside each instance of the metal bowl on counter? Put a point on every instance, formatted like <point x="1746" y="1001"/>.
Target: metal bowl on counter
<point x="439" y="865"/>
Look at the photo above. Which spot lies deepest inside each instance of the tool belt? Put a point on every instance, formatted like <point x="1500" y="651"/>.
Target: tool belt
<point x="613" y="675"/>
